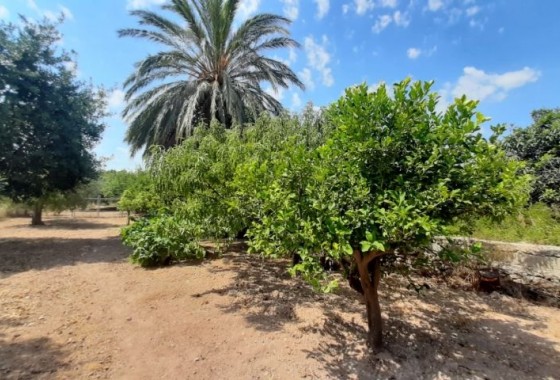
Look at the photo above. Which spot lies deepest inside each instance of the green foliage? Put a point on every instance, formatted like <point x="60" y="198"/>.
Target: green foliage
<point x="394" y="175"/>
<point x="538" y="224"/>
<point x="161" y="240"/>
<point x="380" y="174"/>
<point x="139" y="201"/>
<point x="539" y="146"/>
<point x="49" y="121"/>
<point x="113" y="183"/>
<point x="210" y="179"/>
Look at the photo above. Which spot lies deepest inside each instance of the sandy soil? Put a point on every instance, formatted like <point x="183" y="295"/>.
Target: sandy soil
<point x="72" y="307"/>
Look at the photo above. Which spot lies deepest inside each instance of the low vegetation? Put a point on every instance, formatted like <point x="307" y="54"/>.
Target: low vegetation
<point x="538" y="224"/>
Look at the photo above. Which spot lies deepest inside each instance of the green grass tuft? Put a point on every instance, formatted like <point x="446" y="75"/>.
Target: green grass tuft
<point x="538" y="224"/>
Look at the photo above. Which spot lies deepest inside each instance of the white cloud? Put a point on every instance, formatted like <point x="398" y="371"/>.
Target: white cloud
<point x="413" y="53"/>
<point x="49" y="14"/>
<point x="291" y="9"/>
<point x="292" y="55"/>
<point x="142" y="4"/>
<point x="52" y="16"/>
<point x="381" y="23"/>
<point x="401" y="19"/>
<point x="362" y="6"/>
<point x="477" y="84"/>
<point x="66" y="12"/>
<point x="4" y="13"/>
<point x="33" y="5"/>
<point x="72" y="67"/>
<point x="322" y="8"/>
<point x="115" y="100"/>
<point x="277" y="94"/>
<point x="307" y="78"/>
<point x="471" y="11"/>
<point x="247" y="8"/>
<point x="296" y="101"/>
<point x="345" y="8"/>
<point x="388" y="3"/>
<point x="318" y="58"/>
<point x="375" y="86"/>
<point x="435" y="5"/>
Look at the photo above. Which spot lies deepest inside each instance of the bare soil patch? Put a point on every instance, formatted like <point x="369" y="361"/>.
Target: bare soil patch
<point x="72" y="307"/>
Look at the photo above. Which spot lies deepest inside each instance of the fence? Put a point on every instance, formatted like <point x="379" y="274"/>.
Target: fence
<point x="108" y="204"/>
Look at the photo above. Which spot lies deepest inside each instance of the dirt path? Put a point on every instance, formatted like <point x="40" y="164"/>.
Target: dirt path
<point x="72" y="307"/>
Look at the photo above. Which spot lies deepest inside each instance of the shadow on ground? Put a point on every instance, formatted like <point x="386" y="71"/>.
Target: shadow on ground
<point x="441" y="333"/>
<point x="30" y="359"/>
<point x="70" y="224"/>
<point x="24" y="254"/>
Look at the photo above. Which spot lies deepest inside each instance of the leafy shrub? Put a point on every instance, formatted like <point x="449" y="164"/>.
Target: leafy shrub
<point x="139" y="201"/>
<point x="538" y="223"/>
<point x="160" y="240"/>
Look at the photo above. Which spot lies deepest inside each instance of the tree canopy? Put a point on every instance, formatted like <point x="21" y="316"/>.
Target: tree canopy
<point x="539" y="146"/>
<point x="49" y="121"/>
<point x="210" y="70"/>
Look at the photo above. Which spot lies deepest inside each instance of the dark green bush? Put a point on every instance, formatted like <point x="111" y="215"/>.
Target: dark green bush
<point x="161" y="240"/>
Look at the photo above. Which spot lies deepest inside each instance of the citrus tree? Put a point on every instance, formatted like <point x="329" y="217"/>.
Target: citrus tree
<point x="394" y="174"/>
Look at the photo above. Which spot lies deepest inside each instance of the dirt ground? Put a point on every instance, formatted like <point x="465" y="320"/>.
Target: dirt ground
<point x="73" y="307"/>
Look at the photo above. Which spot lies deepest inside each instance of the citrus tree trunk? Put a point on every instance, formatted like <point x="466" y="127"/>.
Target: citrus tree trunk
<point x="370" y="284"/>
<point x="37" y="218"/>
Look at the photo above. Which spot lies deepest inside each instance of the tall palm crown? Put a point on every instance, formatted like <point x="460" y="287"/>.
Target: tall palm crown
<point x="210" y="70"/>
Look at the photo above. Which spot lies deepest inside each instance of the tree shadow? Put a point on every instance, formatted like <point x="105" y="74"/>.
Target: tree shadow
<point x="440" y="332"/>
<point x="31" y="359"/>
<point x="70" y="224"/>
<point x="265" y="293"/>
<point x="24" y="254"/>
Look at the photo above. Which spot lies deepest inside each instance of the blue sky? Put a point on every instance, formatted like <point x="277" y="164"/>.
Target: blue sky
<point x="503" y="52"/>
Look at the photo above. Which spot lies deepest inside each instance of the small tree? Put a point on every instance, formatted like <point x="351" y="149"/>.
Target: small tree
<point x="49" y="122"/>
<point x="539" y="146"/>
<point x="392" y="177"/>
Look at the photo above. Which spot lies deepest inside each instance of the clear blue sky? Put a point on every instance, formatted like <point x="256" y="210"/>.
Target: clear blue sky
<point x="503" y="52"/>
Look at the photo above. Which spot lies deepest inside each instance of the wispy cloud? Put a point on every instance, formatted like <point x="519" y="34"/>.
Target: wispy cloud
<point x="4" y="13"/>
<point x="388" y="3"/>
<point x="435" y="5"/>
<point x="318" y="58"/>
<point x="52" y="15"/>
<point x="363" y="6"/>
<point x="291" y="9"/>
<point x="323" y="7"/>
<point x="296" y="101"/>
<point x="479" y="85"/>
<point x="247" y="8"/>
<point x="381" y="23"/>
<point x="115" y="100"/>
<point x="277" y="93"/>
<point x="142" y="4"/>
<point x="307" y="78"/>
<point x="414" y="53"/>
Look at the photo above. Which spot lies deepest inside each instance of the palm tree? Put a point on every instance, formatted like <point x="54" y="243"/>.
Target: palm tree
<point x="210" y="71"/>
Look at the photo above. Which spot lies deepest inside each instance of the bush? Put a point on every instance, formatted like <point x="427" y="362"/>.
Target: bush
<point x="161" y="240"/>
<point x="139" y="201"/>
<point x="538" y="224"/>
